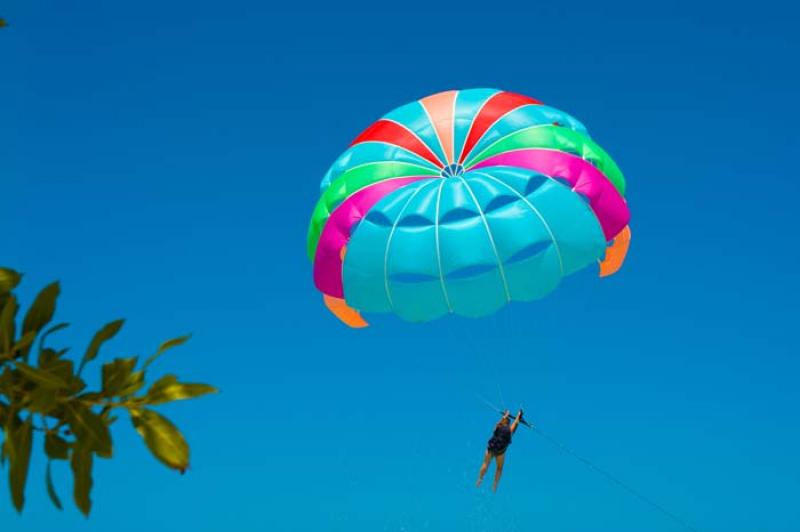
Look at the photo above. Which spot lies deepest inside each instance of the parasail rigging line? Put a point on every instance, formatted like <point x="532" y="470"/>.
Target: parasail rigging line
<point x="608" y="476"/>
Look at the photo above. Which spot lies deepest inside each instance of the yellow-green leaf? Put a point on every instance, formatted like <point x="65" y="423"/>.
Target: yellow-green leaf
<point x="162" y="438"/>
<point x="18" y="447"/>
<point x="41" y="311"/>
<point x="59" y="367"/>
<point x="81" y="464"/>
<point x="56" y="447"/>
<point x="51" y="330"/>
<point x="51" y="489"/>
<point x="116" y="373"/>
<point x="9" y="380"/>
<point x="8" y="413"/>
<point x="42" y="400"/>
<point x="9" y="279"/>
<point x="91" y="430"/>
<point x="23" y="345"/>
<point x="108" y="331"/>
<point x="133" y="383"/>
<point x="169" y="344"/>
<point x="46" y="357"/>
<point x="167" y="389"/>
<point x="41" y="377"/>
<point x="7" y="325"/>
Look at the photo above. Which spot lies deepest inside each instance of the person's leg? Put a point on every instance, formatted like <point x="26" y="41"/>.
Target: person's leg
<point x="498" y="470"/>
<point x="486" y="459"/>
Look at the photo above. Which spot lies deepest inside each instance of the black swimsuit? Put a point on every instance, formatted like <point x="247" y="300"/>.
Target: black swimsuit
<point x="500" y="440"/>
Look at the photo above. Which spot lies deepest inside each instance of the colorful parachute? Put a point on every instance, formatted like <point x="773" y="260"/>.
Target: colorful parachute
<point x="462" y="202"/>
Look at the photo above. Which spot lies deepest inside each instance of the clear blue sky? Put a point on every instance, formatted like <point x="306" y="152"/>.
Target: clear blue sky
<point x="162" y="160"/>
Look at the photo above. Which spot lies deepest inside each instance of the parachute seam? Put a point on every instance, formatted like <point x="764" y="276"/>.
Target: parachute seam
<point x="417" y="137"/>
<point x="491" y="239"/>
<point x="422" y="162"/>
<point x="487" y="148"/>
<point x="438" y="250"/>
<point x="536" y="212"/>
<point x="351" y="194"/>
<point x="330" y="210"/>
<point x="499" y="118"/>
<point x="594" y="161"/>
<point x="435" y="132"/>
<point x="453" y="128"/>
<point x="389" y="245"/>
<point x="385" y="161"/>
<point x="471" y="124"/>
<point x="545" y="108"/>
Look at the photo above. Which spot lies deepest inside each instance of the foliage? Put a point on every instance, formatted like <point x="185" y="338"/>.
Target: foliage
<point x="42" y="394"/>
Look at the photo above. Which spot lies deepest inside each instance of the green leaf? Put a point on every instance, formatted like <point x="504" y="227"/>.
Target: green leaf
<point x="167" y="389"/>
<point x="41" y="377"/>
<point x="11" y="381"/>
<point x="169" y="344"/>
<point x="62" y="369"/>
<point x="56" y="447"/>
<point x="108" y="331"/>
<point x="9" y="279"/>
<point x="24" y="343"/>
<point x="18" y="448"/>
<point x="50" y="360"/>
<point x="50" y="331"/>
<point x="7" y="325"/>
<point x="7" y="381"/>
<point x="8" y="415"/>
<point x="51" y="490"/>
<point x="162" y="438"/>
<point x="90" y="396"/>
<point x="91" y="430"/>
<point x="133" y="384"/>
<point x="42" y="400"/>
<point x="59" y="367"/>
<point x="41" y="311"/>
<point x="76" y="384"/>
<point x="4" y="414"/>
<point x="116" y="374"/>
<point x="47" y="357"/>
<point x="81" y="464"/>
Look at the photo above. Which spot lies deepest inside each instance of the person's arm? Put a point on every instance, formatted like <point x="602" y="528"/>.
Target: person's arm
<point x="515" y="424"/>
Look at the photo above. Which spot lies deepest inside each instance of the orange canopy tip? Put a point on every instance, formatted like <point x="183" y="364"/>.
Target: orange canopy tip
<point x="346" y="314"/>
<point x="615" y="253"/>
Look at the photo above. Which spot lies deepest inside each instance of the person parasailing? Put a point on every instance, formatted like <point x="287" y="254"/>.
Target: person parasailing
<point x="497" y="446"/>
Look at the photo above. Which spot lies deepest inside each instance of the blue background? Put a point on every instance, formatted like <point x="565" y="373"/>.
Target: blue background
<point x="162" y="160"/>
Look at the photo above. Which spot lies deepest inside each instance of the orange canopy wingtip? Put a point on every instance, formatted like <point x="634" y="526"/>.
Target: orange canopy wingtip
<point x="346" y="314"/>
<point x="615" y="253"/>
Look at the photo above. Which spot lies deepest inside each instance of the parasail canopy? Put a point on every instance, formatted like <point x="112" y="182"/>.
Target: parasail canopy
<point x="462" y="202"/>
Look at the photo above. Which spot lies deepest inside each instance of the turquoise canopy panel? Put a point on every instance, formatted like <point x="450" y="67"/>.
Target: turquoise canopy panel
<point x="469" y="244"/>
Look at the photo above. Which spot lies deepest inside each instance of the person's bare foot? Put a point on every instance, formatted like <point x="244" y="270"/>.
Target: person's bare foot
<point x="478" y="484"/>
<point x="494" y="487"/>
